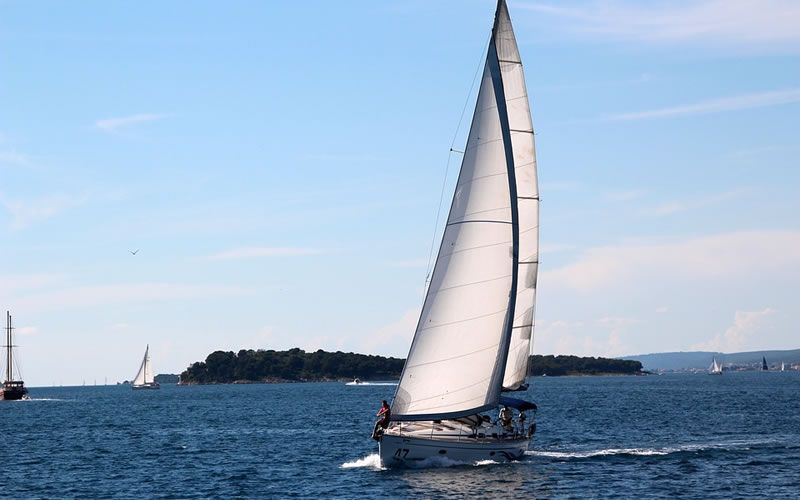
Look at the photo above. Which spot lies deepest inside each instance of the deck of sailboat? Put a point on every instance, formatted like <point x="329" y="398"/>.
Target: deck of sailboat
<point x="454" y="431"/>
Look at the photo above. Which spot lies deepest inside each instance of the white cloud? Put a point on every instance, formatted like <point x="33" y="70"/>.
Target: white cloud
<point x="101" y="295"/>
<point x="718" y="105"/>
<point x="662" y="309"/>
<point x="550" y="248"/>
<point x="631" y="194"/>
<point x="730" y="255"/>
<point x="599" y="337"/>
<point x="112" y="124"/>
<point x="25" y="213"/>
<point x="553" y="186"/>
<point x="392" y="339"/>
<point x="728" y="23"/>
<point x="410" y="263"/>
<point x="740" y="335"/>
<point x="257" y="252"/>
<point x="26" y="330"/>
<point x="12" y="158"/>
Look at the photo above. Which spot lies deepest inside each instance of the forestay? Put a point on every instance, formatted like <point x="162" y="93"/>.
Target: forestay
<point x="457" y="358"/>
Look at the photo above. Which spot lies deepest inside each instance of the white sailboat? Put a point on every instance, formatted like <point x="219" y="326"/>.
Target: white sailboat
<point x="144" y="377"/>
<point x="715" y="368"/>
<point x="472" y="341"/>
<point x="783" y="366"/>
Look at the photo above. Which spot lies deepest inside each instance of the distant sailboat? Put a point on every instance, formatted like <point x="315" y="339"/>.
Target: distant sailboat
<point x="715" y="368"/>
<point x="764" y="366"/>
<point x="12" y="389"/>
<point x="472" y="341"/>
<point x="144" y="378"/>
<point x="783" y="366"/>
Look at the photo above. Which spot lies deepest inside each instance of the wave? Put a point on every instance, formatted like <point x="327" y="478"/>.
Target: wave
<point x="43" y="399"/>
<point x="371" y="383"/>
<point x="370" y="462"/>
<point x="667" y="450"/>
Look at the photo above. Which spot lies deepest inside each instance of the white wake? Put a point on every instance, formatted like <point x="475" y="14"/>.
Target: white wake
<point x="643" y="451"/>
<point x="370" y="462"/>
<point x="371" y="383"/>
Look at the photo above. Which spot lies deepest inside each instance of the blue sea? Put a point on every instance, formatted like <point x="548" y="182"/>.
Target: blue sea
<point x="689" y="436"/>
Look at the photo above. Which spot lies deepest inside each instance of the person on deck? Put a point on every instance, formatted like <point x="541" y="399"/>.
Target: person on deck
<point x="385" y="414"/>
<point x="506" y="417"/>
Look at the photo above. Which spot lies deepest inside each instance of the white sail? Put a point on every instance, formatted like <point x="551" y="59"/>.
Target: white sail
<point x="145" y="373"/>
<point x="522" y="141"/>
<point x="457" y="358"/>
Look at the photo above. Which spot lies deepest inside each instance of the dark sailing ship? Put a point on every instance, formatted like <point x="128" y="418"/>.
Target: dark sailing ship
<point x="764" y="366"/>
<point x="12" y="389"/>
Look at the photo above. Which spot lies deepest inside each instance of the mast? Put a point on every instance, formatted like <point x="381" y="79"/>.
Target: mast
<point x="9" y="359"/>
<point x="457" y="360"/>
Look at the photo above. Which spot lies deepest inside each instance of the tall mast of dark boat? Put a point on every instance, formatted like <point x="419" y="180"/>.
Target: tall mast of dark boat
<point x="9" y="360"/>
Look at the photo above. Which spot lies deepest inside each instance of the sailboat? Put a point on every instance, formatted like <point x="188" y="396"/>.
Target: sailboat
<point x="764" y="366"/>
<point x="144" y="378"/>
<point x="11" y="389"/>
<point x="783" y="366"/>
<point x="472" y="340"/>
<point x="715" y="368"/>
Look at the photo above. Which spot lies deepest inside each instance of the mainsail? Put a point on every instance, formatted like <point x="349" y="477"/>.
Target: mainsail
<point x="145" y="373"/>
<point x="457" y="361"/>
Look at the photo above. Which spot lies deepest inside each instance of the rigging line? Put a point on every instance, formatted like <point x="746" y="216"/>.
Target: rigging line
<point x="428" y="269"/>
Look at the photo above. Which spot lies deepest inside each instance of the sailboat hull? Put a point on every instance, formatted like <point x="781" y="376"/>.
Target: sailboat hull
<point x="153" y="385"/>
<point x="398" y="451"/>
<point x="12" y="393"/>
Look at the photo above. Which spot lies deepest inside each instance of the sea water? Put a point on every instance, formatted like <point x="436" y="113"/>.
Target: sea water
<point x="734" y="435"/>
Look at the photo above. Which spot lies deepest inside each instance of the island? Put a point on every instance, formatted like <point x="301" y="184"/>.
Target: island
<point x="576" y="365"/>
<point x="297" y="365"/>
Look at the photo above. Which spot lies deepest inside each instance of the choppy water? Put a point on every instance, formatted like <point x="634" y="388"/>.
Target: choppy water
<point x="663" y="436"/>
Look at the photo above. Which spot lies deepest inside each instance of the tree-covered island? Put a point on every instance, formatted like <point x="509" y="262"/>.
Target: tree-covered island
<point x="296" y="365"/>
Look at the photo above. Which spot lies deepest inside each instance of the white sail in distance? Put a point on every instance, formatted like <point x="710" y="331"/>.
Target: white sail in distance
<point x="458" y="356"/>
<point x="145" y="373"/>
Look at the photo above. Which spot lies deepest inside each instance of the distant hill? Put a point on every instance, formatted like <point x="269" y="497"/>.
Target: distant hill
<point x="167" y="378"/>
<point x="247" y="365"/>
<point x="574" y="365"/>
<point x="698" y="360"/>
<point x="297" y="365"/>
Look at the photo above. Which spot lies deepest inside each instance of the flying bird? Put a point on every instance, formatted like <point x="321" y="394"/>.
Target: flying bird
<point x="133" y="252"/>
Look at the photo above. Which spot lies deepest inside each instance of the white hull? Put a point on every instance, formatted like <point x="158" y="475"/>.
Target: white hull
<point x="400" y="450"/>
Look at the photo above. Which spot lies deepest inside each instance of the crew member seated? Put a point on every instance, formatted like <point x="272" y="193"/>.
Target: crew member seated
<point x="506" y="418"/>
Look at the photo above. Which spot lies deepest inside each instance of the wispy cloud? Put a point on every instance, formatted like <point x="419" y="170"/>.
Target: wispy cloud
<point x="258" y="252"/>
<point x="743" y="23"/>
<point x="25" y="213"/>
<point x="410" y="263"/>
<point x="113" y="124"/>
<point x="722" y="256"/>
<point x="550" y="248"/>
<point x="631" y="194"/>
<point x="675" y="206"/>
<point x="747" y="101"/>
<point x="101" y="295"/>
<point x="13" y="159"/>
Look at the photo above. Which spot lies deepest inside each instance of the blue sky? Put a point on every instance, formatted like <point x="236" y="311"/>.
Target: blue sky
<point x="279" y="164"/>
